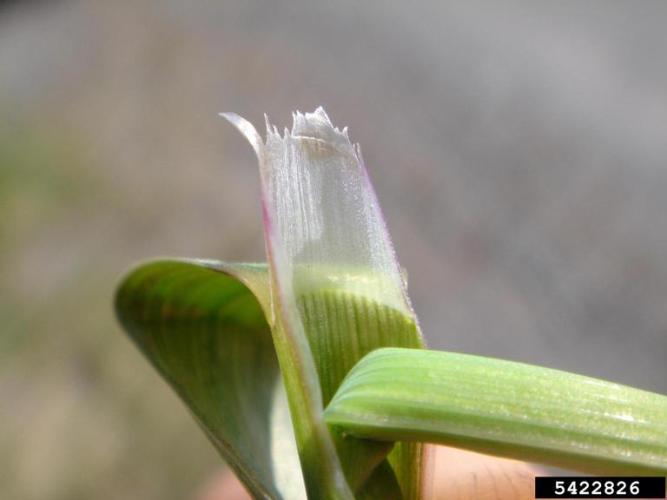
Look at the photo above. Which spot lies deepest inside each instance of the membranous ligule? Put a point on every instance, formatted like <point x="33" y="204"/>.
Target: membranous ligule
<point x="348" y="313"/>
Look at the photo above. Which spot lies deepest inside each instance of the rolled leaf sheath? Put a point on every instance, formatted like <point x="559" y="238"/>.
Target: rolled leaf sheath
<point x="328" y="250"/>
<point x="503" y="408"/>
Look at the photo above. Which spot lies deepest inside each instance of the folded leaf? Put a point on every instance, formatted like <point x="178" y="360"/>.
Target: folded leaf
<point x="202" y="325"/>
<point x="503" y="408"/>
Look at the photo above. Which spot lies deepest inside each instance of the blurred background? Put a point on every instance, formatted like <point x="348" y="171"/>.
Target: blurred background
<point x="519" y="151"/>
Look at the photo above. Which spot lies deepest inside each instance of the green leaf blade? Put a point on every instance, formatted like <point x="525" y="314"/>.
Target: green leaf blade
<point x="503" y="408"/>
<point x="204" y="330"/>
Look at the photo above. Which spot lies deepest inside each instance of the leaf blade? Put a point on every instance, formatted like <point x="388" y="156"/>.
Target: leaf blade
<point x="202" y="325"/>
<point x="504" y="408"/>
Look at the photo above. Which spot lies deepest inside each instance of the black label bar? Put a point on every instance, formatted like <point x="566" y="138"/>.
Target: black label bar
<point x="599" y="487"/>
